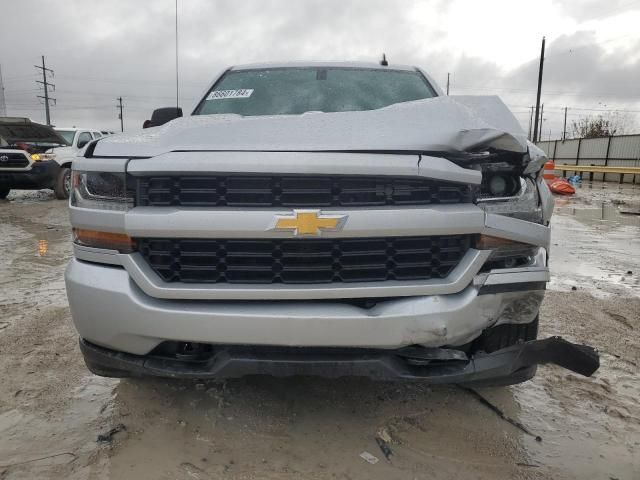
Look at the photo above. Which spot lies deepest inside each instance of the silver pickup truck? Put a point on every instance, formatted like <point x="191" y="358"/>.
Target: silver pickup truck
<point x="321" y="218"/>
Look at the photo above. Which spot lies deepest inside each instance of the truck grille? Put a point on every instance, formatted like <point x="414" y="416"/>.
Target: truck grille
<point x="267" y="261"/>
<point x="13" y="160"/>
<point x="296" y="191"/>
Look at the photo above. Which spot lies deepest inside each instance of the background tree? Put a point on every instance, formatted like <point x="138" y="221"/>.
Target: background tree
<point x="604" y="125"/>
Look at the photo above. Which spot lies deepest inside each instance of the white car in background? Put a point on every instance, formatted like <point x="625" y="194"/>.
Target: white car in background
<point x="77" y="139"/>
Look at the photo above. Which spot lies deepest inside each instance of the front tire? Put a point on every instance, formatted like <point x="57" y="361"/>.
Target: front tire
<point x="4" y="191"/>
<point x="62" y="187"/>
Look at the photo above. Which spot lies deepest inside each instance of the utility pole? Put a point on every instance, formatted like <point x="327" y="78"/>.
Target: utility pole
<point x="3" y="105"/>
<point x="45" y="83"/>
<point x="177" y="97"/>
<point x="119" y="106"/>
<point x="564" y="129"/>
<point x="535" y="128"/>
<point x="541" y="119"/>
<point x="448" y="78"/>
<point x="530" y="122"/>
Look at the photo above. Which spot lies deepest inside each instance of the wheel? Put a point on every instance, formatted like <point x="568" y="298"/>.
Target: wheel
<point x="62" y="187"/>
<point x="4" y="191"/>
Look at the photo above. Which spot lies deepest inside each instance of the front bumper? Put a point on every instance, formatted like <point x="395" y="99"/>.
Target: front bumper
<point x="109" y="309"/>
<point x="506" y="366"/>
<point x="42" y="174"/>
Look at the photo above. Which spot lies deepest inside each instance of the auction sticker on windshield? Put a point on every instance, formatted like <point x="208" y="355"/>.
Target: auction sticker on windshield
<point x="222" y="94"/>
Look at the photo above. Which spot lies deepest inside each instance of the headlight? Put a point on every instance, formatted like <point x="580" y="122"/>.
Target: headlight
<point x="37" y="157"/>
<point x="101" y="190"/>
<point x="506" y="253"/>
<point x="500" y="185"/>
<point x="525" y="205"/>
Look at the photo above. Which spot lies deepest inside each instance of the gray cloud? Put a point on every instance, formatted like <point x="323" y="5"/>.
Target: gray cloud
<point x="583" y="10"/>
<point x="104" y="49"/>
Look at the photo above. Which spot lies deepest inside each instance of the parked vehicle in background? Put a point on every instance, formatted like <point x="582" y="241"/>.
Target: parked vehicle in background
<point x="26" y="158"/>
<point x="329" y="219"/>
<point x="76" y="138"/>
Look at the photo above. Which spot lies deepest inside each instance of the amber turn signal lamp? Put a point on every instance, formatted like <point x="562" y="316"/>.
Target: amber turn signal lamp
<point x="487" y="242"/>
<point x="107" y="240"/>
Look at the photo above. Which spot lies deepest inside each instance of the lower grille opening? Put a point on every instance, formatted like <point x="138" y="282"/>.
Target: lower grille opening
<point x="204" y="353"/>
<point x="304" y="261"/>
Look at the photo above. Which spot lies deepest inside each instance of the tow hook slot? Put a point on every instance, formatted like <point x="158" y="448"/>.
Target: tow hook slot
<point x="191" y="351"/>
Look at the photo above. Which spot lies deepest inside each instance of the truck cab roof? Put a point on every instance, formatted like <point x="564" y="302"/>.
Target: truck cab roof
<point x="367" y="65"/>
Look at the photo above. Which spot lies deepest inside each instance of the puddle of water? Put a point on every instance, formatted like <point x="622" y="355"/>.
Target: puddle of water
<point x="594" y="245"/>
<point x="586" y="426"/>
<point x="34" y="441"/>
<point x="43" y="247"/>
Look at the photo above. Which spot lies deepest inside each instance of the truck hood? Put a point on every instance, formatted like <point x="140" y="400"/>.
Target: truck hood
<point x="65" y="151"/>
<point x="443" y="124"/>
<point x="15" y="129"/>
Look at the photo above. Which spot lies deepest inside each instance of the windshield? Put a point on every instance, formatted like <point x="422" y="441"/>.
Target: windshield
<point x="67" y="135"/>
<point x="293" y="91"/>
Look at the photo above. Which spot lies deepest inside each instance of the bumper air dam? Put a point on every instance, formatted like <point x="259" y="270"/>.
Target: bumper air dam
<point x="509" y="365"/>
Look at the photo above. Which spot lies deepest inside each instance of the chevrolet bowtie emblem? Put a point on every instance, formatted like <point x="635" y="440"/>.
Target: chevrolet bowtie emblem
<point x="309" y="222"/>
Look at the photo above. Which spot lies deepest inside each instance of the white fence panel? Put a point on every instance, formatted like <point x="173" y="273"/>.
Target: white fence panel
<point x="567" y="151"/>
<point x="627" y="147"/>
<point x="547" y="147"/>
<point x="594" y="148"/>
<point x="620" y="151"/>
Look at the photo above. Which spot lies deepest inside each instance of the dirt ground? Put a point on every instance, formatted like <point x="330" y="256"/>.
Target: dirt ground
<point x="52" y="410"/>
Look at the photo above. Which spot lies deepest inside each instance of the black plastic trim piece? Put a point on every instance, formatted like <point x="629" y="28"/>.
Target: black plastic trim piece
<point x="88" y="153"/>
<point x="498" y="367"/>
<point x="296" y="190"/>
<point x="303" y="261"/>
<point x="512" y="287"/>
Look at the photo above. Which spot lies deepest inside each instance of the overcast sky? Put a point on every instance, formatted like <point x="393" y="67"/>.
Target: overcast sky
<point x="103" y="49"/>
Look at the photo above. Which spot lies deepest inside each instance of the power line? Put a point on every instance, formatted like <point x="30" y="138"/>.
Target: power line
<point x="561" y="109"/>
<point x="127" y="81"/>
<point x="45" y="83"/>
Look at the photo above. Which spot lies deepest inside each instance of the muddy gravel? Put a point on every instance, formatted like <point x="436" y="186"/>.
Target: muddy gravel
<point x="53" y="411"/>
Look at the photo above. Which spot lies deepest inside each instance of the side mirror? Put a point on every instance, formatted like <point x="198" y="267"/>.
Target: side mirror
<point x="160" y="116"/>
<point x="82" y="143"/>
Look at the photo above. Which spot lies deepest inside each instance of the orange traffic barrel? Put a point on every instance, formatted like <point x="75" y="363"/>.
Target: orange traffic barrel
<point x="549" y="167"/>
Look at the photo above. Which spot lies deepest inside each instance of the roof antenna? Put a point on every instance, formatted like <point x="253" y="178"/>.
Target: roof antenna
<point x="384" y="62"/>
